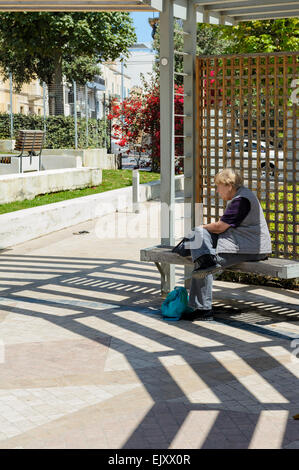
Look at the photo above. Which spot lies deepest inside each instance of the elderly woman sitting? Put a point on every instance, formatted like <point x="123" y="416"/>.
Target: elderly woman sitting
<point x="240" y="235"/>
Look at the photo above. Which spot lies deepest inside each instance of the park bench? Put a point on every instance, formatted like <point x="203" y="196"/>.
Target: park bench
<point x="274" y="267"/>
<point x="29" y="143"/>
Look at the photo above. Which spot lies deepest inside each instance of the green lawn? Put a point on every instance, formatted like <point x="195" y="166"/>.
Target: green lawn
<point x="112" y="179"/>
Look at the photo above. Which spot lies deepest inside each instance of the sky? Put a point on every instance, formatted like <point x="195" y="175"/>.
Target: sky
<point x="142" y="27"/>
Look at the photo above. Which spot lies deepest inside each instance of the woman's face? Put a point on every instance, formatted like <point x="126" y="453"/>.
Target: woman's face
<point x="225" y="191"/>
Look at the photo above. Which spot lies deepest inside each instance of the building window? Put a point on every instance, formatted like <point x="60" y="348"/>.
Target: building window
<point x="39" y="111"/>
<point x="22" y="109"/>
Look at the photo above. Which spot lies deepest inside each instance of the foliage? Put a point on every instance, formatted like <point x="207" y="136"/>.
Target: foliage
<point x="36" y="44"/>
<point x="263" y="36"/>
<point x="140" y="113"/>
<point x="283" y="217"/>
<point x="128" y="120"/>
<point x="209" y="40"/>
<point x="246" y="37"/>
<point x="60" y="130"/>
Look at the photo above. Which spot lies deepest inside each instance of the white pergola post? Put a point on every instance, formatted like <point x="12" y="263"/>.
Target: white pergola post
<point x="167" y="130"/>
<point x="167" y="194"/>
<point x="189" y="30"/>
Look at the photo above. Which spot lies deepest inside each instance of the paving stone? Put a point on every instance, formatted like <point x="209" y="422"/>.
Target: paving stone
<point x="68" y="384"/>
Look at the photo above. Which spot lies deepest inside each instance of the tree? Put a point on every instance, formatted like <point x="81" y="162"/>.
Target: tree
<point x="263" y="36"/>
<point x="128" y="121"/>
<point x="267" y="36"/>
<point x="210" y="39"/>
<point x="49" y="46"/>
<point x="140" y="113"/>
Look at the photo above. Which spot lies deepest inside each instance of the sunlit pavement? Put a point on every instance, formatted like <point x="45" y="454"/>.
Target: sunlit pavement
<point x="88" y="362"/>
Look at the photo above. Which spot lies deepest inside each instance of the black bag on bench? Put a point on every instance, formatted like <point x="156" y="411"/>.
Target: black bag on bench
<point x="180" y="248"/>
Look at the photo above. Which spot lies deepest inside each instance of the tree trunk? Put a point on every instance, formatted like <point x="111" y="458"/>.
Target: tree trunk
<point x="56" y="90"/>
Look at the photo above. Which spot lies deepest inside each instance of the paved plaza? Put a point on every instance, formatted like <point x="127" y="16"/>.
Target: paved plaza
<point x="88" y="362"/>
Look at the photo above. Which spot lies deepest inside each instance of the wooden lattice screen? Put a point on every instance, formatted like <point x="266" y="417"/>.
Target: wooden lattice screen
<point x="247" y="119"/>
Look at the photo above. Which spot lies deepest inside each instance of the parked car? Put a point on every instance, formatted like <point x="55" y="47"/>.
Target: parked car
<point x="253" y="145"/>
<point x="144" y="162"/>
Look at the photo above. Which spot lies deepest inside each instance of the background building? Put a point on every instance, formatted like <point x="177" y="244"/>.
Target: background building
<point x="141" y="61"/>
<point x="28" y="101"/>
<point x="93" y="98"/>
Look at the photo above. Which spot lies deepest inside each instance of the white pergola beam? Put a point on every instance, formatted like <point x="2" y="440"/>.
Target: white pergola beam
<point x="209" y="17"/>
<point x="180" y="8"/>
<point x="88" y="3"/>
<point x="75" y="6"/>
<point x="156" y="4"/>
<point x="227" y="12"/>
<point x="64" y="8"/>
<point x="290" y="9"/>
<point x="231" y="12"/>
<point x="227" y="20"/>
<point x="211" y="3"/>
<point x="265" y="16"/>
<point x="78" y="5"/>
<point x="222" y="6"/>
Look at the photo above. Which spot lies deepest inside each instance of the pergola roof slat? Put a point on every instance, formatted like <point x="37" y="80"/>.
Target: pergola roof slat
<point x="89" y="5"/>
<point x="76" y="8"/>
<point x="247" y="10"/>
<point x="70" y="3"/>
<point x="267" y="16"/>
<point x="208" y="10"/>
<point x="243" y="5"/>
<point x="267" y="10"/>
<point x="213" y="3"/>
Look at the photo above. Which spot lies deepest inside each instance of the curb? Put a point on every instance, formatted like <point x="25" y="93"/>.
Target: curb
<point x="27" y="224"/>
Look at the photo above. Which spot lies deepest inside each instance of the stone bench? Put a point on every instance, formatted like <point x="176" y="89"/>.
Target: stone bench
<point x="274" y="267"/>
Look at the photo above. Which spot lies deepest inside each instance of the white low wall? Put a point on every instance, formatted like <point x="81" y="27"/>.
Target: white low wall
<point x="27" y="224"/>
<point x="13" y="168"/>
<point x="52" y="162"/>
<point x="96" y="158"/>
<point x="7" y="145"/>
<point x="53" y="159"/>
<point x="19" y="187"/>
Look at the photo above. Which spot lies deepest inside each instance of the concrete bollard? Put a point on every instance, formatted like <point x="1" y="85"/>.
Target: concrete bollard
<point x="135" y="191"/>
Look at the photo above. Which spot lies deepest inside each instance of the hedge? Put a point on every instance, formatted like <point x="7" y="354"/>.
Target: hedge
<point x="60" y="130"/>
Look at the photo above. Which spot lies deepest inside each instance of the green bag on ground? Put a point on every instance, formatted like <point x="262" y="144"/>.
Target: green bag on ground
<point x="175" y="304"/>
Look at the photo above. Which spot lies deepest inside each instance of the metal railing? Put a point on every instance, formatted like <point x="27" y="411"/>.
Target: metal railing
<point x="85" y="108"/>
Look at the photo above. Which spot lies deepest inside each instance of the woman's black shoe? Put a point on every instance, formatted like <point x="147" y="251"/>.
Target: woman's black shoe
<point x="205" y="261"/>
<point x="203" y="315"/>
<point x="204" y="265"/>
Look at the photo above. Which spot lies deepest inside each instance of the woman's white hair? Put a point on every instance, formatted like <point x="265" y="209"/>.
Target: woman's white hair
<point x="228" y="176"/>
